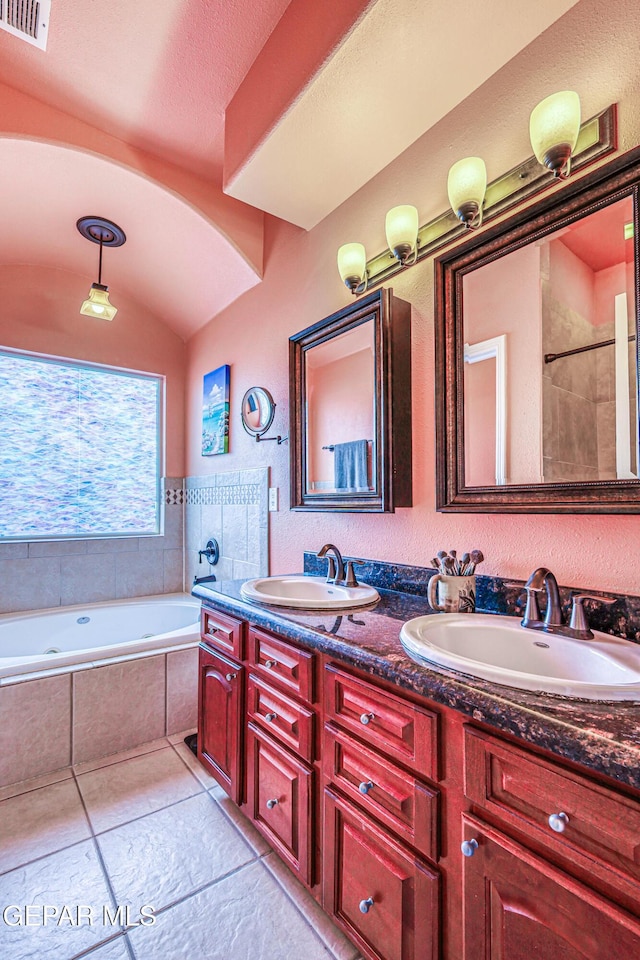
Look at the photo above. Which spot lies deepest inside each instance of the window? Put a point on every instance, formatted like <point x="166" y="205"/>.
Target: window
<point x="80" y="450"/>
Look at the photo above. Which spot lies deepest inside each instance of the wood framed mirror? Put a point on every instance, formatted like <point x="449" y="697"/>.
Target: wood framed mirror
<point x="536" y="324"/>
<point x="350" y="395"/>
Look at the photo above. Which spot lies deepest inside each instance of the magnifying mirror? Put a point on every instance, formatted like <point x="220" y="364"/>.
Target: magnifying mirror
<point x="258" y="410"/>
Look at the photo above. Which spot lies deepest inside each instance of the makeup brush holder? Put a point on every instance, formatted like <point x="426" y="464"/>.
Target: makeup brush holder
<point x="452" y="594"/>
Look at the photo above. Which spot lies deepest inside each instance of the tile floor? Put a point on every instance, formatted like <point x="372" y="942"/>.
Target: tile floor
<point x="147" y="827"/>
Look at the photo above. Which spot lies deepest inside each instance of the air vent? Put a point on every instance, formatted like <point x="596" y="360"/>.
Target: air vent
<point x="27" y="19"/>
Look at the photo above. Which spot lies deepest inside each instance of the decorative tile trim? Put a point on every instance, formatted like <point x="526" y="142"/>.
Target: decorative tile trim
<point x="174" y="497"/>
<point x="243" y="494"/>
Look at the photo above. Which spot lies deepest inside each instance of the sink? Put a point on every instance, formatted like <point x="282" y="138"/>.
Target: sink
<point x="499" y="649"/>
<point x="311" y="593"/>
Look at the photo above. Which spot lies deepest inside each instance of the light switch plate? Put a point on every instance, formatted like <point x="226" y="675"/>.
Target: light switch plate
<point x="273" y="499"/>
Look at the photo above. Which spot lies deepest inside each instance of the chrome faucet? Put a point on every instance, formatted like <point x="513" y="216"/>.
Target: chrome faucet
<point x="553" y="622"/>
<point x="334" y="575"/>
<point x="542" y="577"/>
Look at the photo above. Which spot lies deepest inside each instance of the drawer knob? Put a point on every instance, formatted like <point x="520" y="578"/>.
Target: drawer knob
<point x="270" y="717"/>
<point x="211" y="627"/>
<point x="271" y="804"/>
<point x="558" y="822"/>
<point x="231" y="676"/>
<point x="366" y="718"/>
<point x="365" y="905"/>
<point x="365" y="786"/>
<point x="469" y="847"/>
<point x="270" y="664"/>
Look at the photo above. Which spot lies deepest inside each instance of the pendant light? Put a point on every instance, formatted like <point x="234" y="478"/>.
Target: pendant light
<point x="109" y="234"/>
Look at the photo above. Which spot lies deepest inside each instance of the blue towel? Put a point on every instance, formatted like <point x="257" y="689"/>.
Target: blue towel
<point x="350" y="465"/>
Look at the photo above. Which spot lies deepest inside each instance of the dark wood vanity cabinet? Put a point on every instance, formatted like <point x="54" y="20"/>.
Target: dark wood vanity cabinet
<point x="368" y="793"/>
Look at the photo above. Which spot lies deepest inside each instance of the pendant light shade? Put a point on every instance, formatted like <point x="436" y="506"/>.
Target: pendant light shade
<point x="554" y="127"/>
<point x="109" y="234"/>
<point x="352" y="264"/>
<point x="467" y="185"/>
<point x="401" y="227"/>
<point x="97" y="305"/>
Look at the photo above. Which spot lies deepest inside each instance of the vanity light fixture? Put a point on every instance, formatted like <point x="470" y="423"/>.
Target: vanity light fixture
<point x="554" y="127"/>
<point x="560" y="141"/>
<point x="109" y="234"/>
<point x="352" y="265"/>
<point x="401" y="227"/>
<point x="467" y="185"/>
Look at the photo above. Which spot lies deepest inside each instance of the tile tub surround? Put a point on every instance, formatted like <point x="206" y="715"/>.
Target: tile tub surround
<point x="147" y="829"/>
<point x="47" y="723"/>
<point x="497" y="595"/>
<point x="232" y="508"/>
<point x="602" y="737"/>
<point x="51" y="573"/>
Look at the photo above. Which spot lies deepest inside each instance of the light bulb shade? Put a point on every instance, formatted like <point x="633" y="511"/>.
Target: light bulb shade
<point x="97" y="305"/>
<point x="402" y="231"/>
<point x="352" y="264"/>
<point x="467" y="185"/>
<point x="554" y="127"/>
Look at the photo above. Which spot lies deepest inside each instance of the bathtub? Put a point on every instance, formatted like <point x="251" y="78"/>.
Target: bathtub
<point x="61" y="637"/>
<point x="78" y="684"/>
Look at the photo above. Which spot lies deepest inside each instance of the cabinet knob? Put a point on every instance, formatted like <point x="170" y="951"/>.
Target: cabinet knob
<point x="366" y="718"/>
<point x="231" y="676"/>
<point x="365" y="905"/>
<point x="270" y="664"/>
<point x="365" y="786"/>
<point x="469" y="847"/>
<point x="271" y="804"/>
<point x="270" y="717"/>
<point x="558" y="822"/>
<point x="211" y="627"/>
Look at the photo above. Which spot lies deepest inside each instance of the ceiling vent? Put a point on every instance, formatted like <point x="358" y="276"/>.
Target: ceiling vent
<point x="27" y="19"/>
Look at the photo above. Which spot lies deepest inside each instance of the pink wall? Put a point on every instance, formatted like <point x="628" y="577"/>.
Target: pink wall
<point x="504" y="297"/>
<point x="342" y="409"/>
<point x="301" y="285"/>
<point x="40" y="313"/>
<point x="571" y="280"/>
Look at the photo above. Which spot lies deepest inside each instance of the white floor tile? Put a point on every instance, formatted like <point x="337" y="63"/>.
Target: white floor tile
<point x="113" y="950"/>
<point x="35" y="824"/>
<point x="243" y="917"/>
<point x="170" y="854"/>
<point x="67" y="878"/>
<point x="240" y="822"/>
<point x="133" y="788"/>
<point x="149" y="747"/>
<point x="194" y="765"/>
<point x="24" y="786"/>
<point x="179" y="737"/>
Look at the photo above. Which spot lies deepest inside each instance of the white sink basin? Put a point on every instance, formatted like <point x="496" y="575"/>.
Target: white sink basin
<point x="499" y="649"/>
<point x="312" y="593"/>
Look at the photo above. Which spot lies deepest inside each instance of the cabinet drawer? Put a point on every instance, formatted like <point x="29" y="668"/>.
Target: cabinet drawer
<point x="397" y="798"/>
<point x="285" y="719"/>
<point x="516" y="786"/>
<point x="223" y="632"/>
<point x="384" y="896"/>
<point x="406" y="732"/>
<point x="280" y="800"/>
<point x="283" y="663"/>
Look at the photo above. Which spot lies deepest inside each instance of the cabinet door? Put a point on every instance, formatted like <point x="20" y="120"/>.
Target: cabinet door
<point x="517" y="906"/>
<point x="220" y="720"/>
<point x="280" y="800"/>
<point x="384" y="896"/>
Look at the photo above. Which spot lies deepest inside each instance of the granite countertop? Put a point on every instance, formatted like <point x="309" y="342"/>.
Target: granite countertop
<point x="604" y="737"/>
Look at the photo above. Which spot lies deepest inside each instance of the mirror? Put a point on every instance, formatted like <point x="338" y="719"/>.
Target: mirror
<point x="350" y="380"/>
<point x="537" y="387"/>
<point x="258" y="410"/>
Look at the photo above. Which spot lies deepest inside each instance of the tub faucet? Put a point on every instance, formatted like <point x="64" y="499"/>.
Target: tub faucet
<point x="542" y="577"/>
<point x="333" y="575"/>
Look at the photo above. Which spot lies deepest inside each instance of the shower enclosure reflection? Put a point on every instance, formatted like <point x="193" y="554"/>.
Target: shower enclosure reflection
<point x="558" y="401"/>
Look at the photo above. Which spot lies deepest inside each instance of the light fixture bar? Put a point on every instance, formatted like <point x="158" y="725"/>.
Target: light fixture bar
<point x="596" y="139"/>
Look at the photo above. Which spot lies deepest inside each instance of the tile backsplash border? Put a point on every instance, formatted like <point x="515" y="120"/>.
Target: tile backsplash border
<point x="497" y="594"/>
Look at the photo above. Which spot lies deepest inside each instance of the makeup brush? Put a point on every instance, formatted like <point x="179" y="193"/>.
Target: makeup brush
<point x="477" y="557"/>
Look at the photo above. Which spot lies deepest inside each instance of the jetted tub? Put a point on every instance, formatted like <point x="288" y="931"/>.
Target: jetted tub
<point x="60" y="637"/>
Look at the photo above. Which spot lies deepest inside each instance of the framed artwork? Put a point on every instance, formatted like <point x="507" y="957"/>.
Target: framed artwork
<point x="215" y="412"/>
